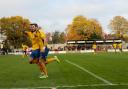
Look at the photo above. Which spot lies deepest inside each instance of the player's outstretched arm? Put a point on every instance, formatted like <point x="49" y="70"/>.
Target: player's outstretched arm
<point x="25" y="32"/>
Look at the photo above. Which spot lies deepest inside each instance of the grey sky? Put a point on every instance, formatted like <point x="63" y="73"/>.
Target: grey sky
<point x="57" y="14"/>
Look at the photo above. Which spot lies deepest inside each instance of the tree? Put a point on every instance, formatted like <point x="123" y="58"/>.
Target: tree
<point x="119" y="26"/>
<point x="84" y="29"/>
<point x="55" y="37"/>
<point x="62" y="37"/>
<point x="12" y="28"/>
<point x="96" y="29"/>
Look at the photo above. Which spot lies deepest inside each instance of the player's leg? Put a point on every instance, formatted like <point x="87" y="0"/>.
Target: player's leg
<point x="44" y="73"/>
<point x="43" y="69"/>
<point x="23" y="54"/>
<point x="35" y="56"/>
<point x="115" y="50"/>
<point x="41" y="65"/>
<point x="120" y="50"/>
<point x="26" y="54"/>
<point x="32" y="60"/>
<point x="49" y="60"/>
<point x="94" y="51"/>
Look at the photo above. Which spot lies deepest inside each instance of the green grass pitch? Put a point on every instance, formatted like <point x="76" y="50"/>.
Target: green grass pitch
<point x="76" y="71"/>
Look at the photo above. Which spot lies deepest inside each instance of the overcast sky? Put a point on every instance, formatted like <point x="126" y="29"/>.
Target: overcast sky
<point x="57" y="14"/>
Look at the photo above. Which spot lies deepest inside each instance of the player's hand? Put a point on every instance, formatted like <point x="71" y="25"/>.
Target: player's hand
<point x="24" y="31"/>
<point x="42" y="49"/>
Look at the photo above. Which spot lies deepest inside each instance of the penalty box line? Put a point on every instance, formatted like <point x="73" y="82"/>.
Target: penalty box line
<point x="91" y="73"/>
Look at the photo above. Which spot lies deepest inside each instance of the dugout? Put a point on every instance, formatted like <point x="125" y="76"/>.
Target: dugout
<point x="87" y="44"/>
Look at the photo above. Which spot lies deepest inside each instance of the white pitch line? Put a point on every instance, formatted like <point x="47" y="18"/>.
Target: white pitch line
<point x="71" y="86"/>
<point x="91" y="85"/>
<point x="89" y="72"/>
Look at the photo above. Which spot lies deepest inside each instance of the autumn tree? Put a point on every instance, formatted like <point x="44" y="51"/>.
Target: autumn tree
<point x="119" y="26"/>
<point x="96" y="28"/>
<point x="12" y="28"/>
<point x="84" y="29"/>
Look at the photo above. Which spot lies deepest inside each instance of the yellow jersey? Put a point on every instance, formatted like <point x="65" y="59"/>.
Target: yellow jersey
<point x="25" y="47"/>
<point x="94" y="46"/>
<point x="38" y="39"/>
<point x="34" y="37"/>
<point x="43" y="42"/>
<point x="120" y="45"/>
<point x="114" y="45"/>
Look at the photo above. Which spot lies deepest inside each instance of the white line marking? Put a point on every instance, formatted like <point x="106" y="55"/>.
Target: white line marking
<point x="70" y="86"/>
<point x="87" y="71"/>
<point x="54" y="88"/>
<point x="93" y="85"/>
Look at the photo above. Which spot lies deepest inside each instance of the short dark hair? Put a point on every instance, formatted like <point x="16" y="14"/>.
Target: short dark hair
<point x="36" y="25"/>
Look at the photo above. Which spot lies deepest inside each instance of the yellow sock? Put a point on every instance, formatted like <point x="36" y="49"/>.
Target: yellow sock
<point x="49" y="60"/>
